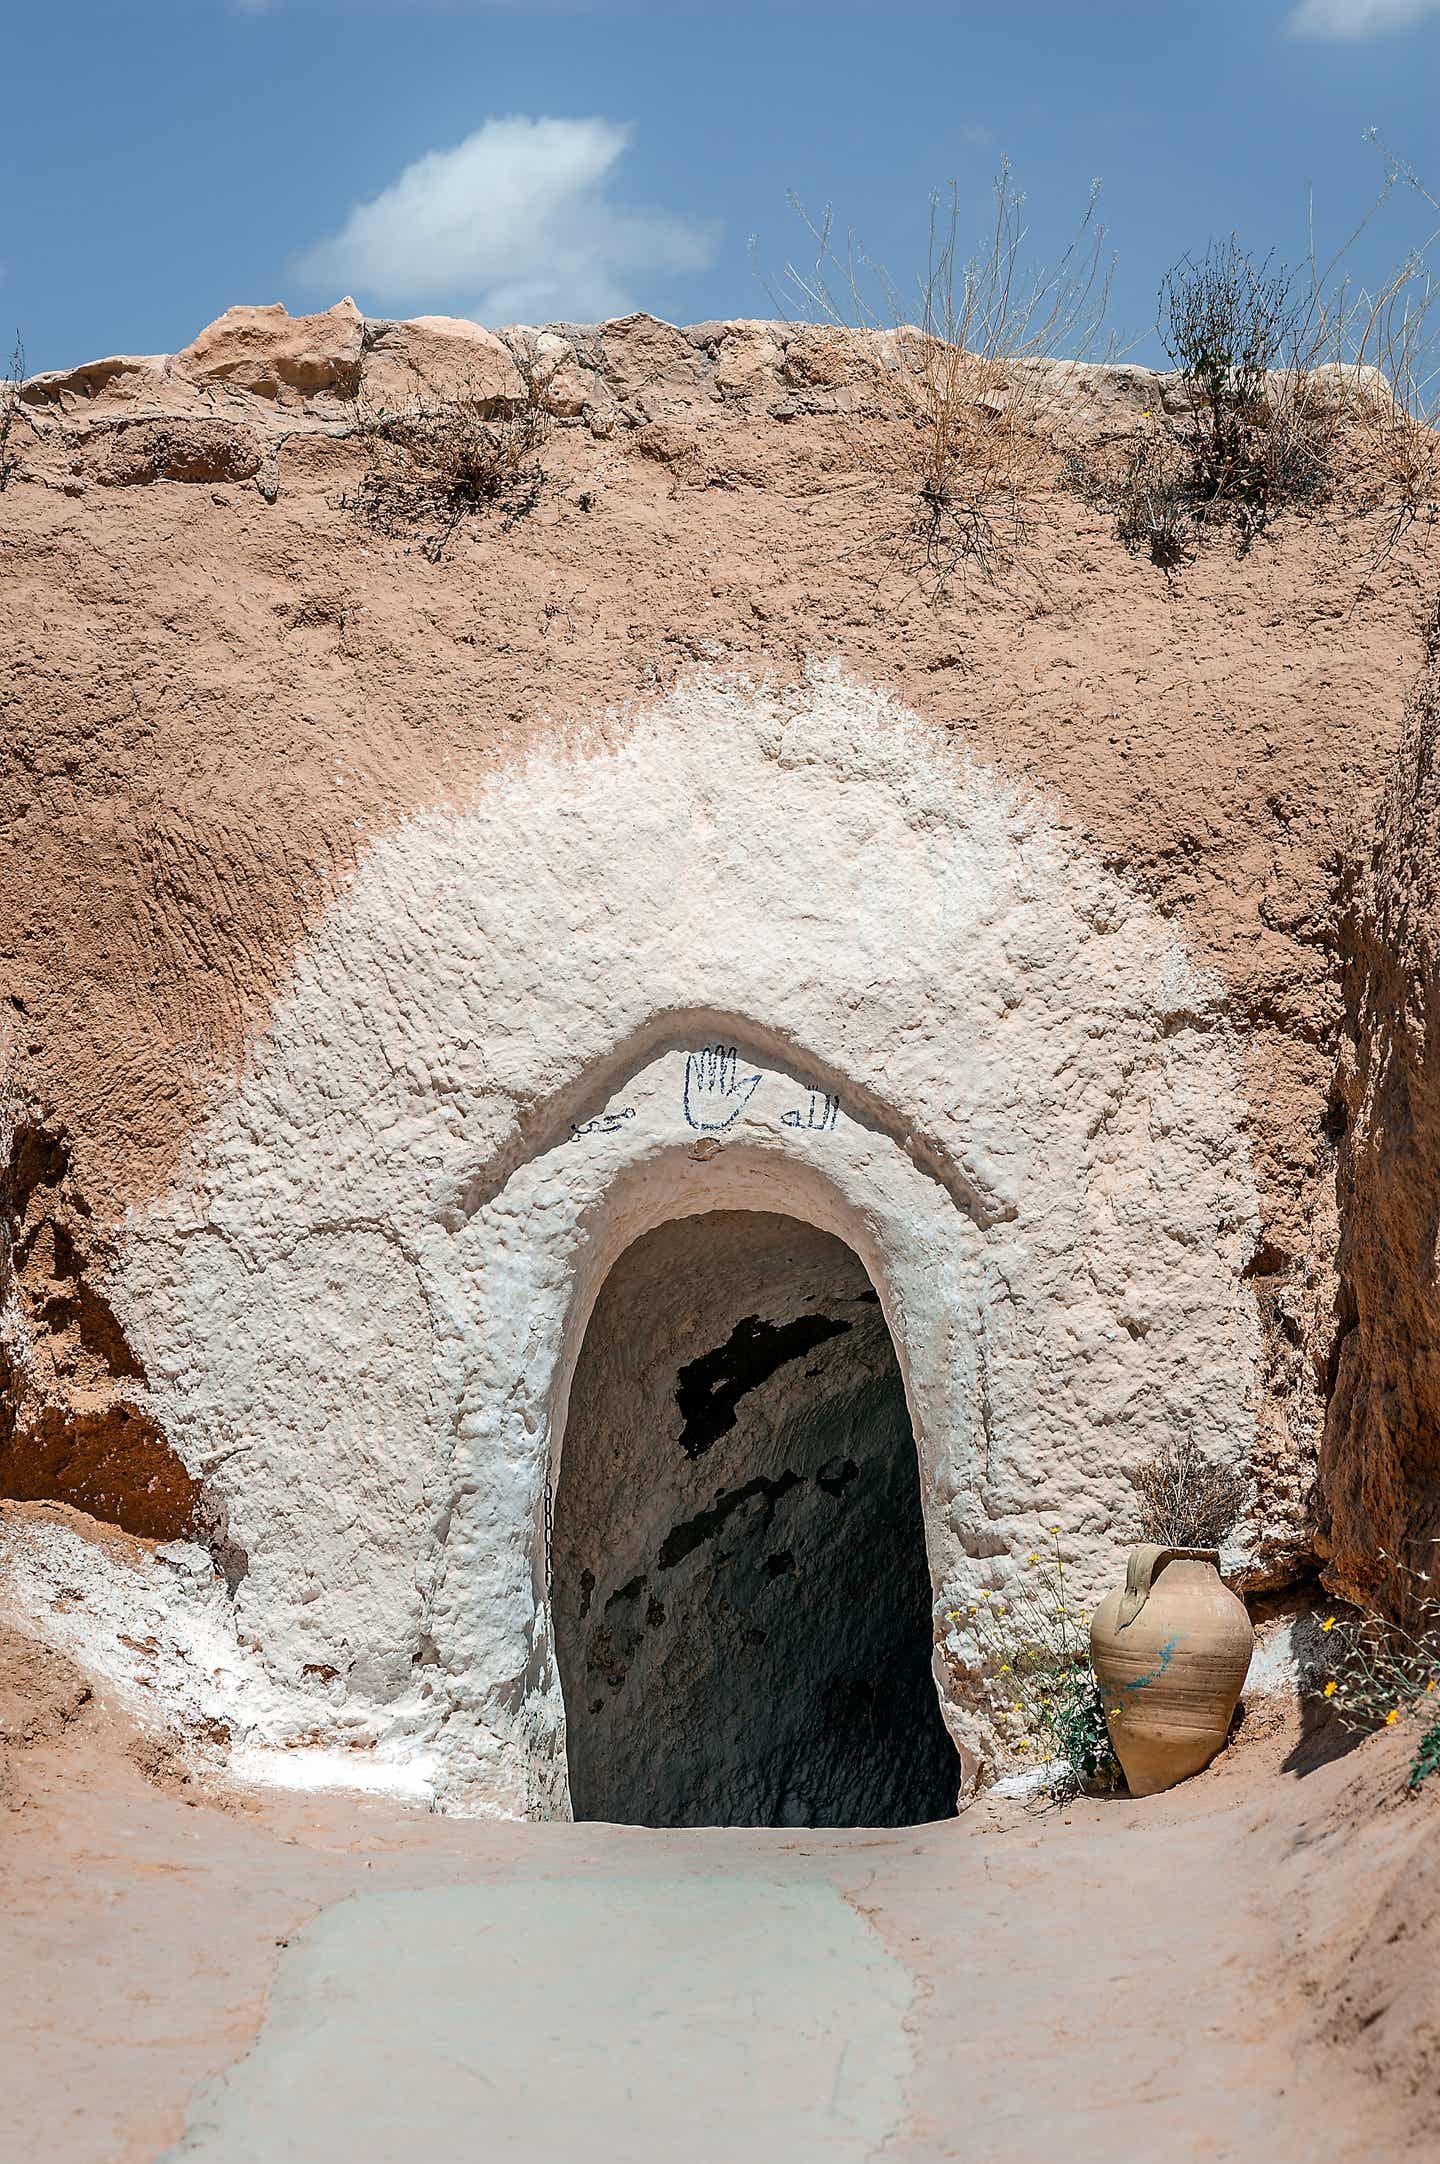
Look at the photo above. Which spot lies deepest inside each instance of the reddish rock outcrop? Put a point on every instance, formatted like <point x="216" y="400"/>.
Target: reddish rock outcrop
<point x="75" y="1424"/>
<point x="1380" y="1468"/>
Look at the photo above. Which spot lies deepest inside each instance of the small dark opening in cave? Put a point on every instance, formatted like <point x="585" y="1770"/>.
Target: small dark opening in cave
<point x="741" y="1597"/>
<point x="708" y="1390"/>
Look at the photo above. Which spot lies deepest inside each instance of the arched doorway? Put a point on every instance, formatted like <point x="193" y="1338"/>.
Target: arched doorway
<point x="741" y="1602"/>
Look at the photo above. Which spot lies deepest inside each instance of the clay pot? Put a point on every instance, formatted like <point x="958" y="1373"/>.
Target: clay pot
<point x="1170" y="1654"/>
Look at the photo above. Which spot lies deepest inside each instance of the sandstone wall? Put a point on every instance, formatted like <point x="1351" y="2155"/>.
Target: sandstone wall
<point x="1380" y="1484"/>
<point x="953" y="1040"/>
<point x="333" y="876"/>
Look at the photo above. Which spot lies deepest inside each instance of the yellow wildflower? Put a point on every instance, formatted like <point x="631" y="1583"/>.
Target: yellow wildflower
<point x="1392" y="1716"/>
<point x="1328" y="1624"/>
<point x="1032" y="1558"/>
<point x="1331" y="1687"/>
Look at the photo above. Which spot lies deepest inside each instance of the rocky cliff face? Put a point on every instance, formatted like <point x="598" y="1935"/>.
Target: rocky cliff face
<point x="75" y="1417"/>
<point x="1380" y="1476"/>
<point x="311" y="804"/>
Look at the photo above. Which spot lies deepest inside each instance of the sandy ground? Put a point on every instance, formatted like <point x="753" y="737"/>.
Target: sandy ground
<point x="1245" y="1969"/>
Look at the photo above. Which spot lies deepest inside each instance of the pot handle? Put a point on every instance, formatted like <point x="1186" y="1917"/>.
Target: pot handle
<point x="1145" y="1565"/>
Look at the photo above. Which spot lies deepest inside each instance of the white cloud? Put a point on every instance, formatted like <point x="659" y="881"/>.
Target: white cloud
<point x="513" y="225"/>
<point x="1357" y="18"/>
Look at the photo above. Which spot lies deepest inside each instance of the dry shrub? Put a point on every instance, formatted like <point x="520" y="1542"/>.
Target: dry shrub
<point x="1186" y="1500"/>
<point x="1397" y="335"/>
<point x="1397" y="422"/>
<point x="1282" y="370"/>
<point x="10" y="409"/>
<point x="1256" y="346"/>
<point x="1391" y="370"/>
<point x="1152" y="505"/>
<point x="437" y="462"/>
<point x="970" y="393"/>
<point x="1148" y="494"/>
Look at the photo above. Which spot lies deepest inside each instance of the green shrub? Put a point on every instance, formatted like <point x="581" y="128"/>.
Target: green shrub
<point x="1036" y="1650"/>
<point x="1246" y="344"/>
<point x="1427" y="1758"/>
<point x="1383" y="1672"/>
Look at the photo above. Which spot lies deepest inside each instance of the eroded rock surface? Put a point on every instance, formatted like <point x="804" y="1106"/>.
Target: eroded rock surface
<point x="1380" y="1485"/>
<point x="238" y="718"/>
<point x="269" y="352"/>
<point x="76" y="1423"/>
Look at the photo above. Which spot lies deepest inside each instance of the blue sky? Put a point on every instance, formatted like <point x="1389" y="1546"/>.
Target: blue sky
<point x="162" y="159"/>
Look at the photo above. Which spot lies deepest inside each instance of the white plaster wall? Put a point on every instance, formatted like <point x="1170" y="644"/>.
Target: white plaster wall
<point x="360" y="1304"/>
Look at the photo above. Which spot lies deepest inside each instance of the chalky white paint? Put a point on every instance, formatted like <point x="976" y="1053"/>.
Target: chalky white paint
<point x="360" y="1304"/>
<point x="156" y="1632"/>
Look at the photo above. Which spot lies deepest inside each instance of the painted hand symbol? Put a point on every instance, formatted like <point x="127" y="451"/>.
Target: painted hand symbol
<point x="716" y="1093"/>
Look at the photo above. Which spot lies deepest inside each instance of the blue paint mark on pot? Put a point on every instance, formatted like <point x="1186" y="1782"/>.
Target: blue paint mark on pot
<point x="1165" y="1655"/>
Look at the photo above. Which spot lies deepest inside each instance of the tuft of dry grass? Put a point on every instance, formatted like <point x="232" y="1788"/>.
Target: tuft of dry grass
<point x="436" y="463"/>
<point x="1391" y="371"/>
<point x="1148" y="494"/>
<point x="1187" y="1500"/>
<point x="970" y="391"/>
<point x="1397" y="420"/>
<point x="1398" y="337"/>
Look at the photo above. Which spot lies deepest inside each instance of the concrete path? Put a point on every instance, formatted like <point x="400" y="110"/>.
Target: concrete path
<point x="547" y="2020"/>
<point x="285" y="1977"/>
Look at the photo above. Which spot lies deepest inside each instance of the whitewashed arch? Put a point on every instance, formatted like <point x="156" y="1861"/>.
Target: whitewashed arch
<point x="536" y="1255"/>
<point x="359" y="1301"/>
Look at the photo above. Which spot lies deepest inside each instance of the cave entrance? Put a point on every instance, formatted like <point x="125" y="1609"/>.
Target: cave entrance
<point x="741" y="1598"/>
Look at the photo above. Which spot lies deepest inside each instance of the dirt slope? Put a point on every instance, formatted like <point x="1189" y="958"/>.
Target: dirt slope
<point x="1244" y="1968"/>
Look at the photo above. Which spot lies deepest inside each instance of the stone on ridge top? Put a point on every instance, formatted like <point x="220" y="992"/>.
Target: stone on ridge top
<point x="90" y="379"/>
<point x="441" y="356"/>
<point x="268" y="351"/>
